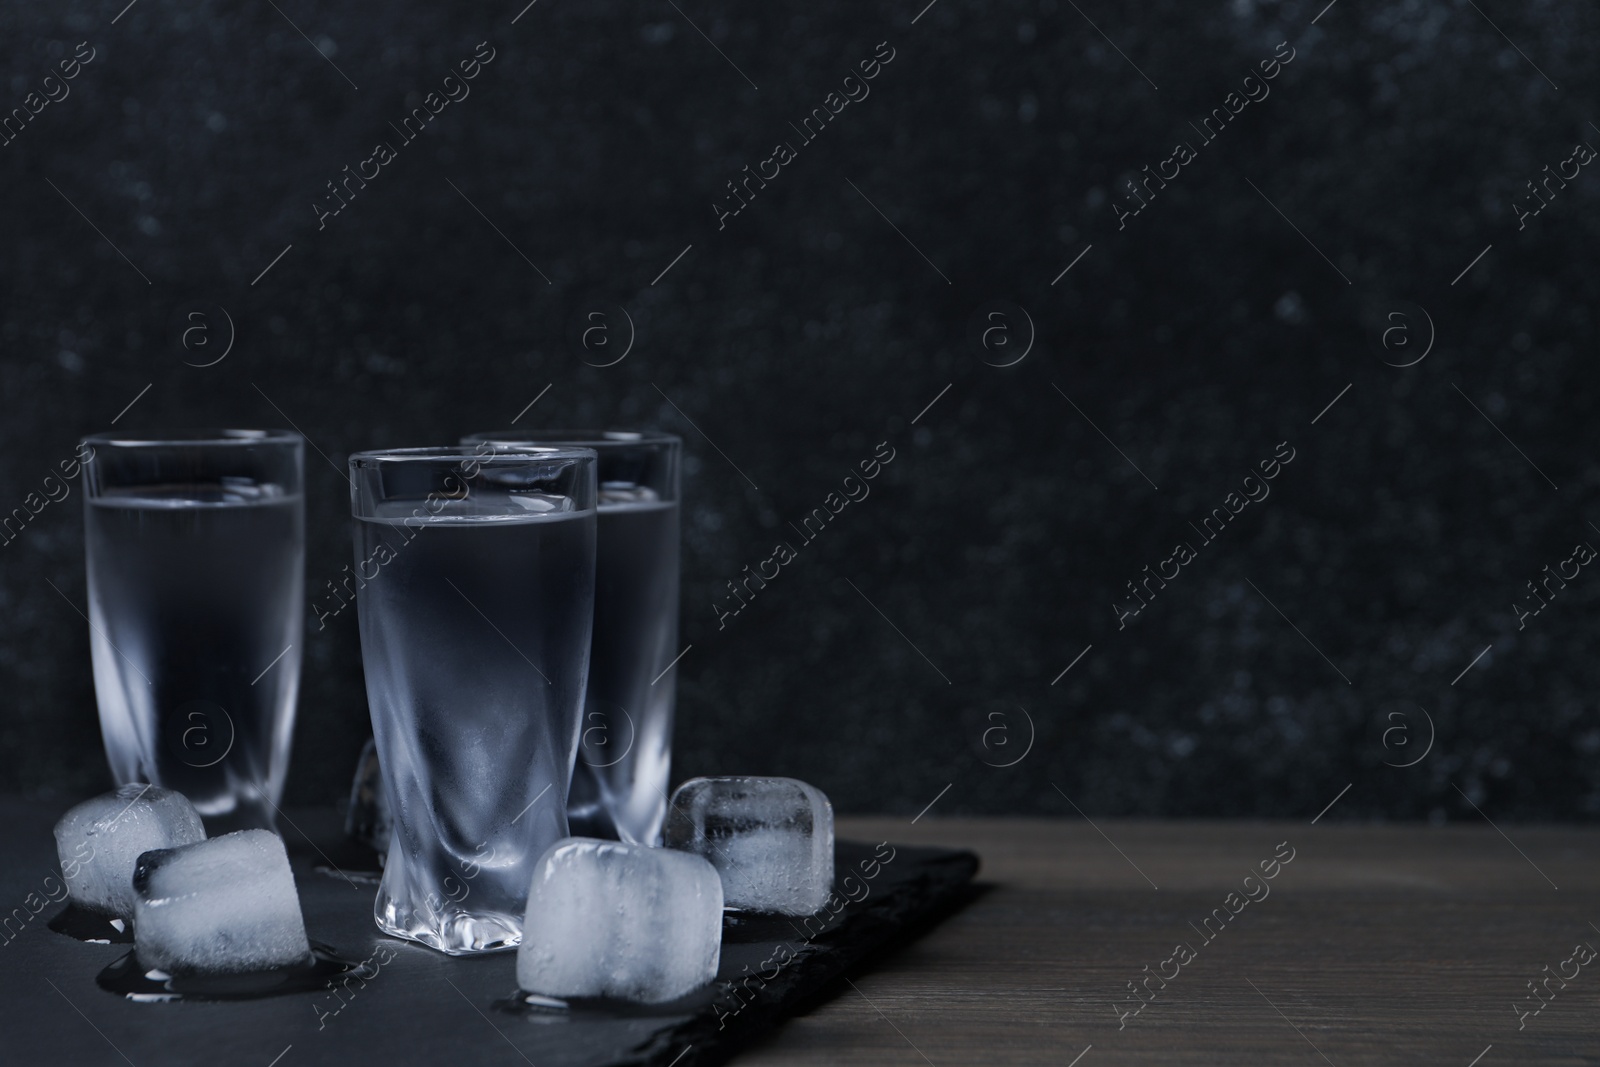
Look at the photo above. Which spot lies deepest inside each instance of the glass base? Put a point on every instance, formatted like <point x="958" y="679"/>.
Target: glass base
<point x="455" y="932"/>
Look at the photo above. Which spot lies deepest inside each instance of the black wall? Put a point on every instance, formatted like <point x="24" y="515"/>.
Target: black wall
<point x="921" y="638"/>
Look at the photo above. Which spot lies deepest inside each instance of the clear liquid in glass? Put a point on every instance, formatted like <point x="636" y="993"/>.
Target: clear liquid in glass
<point x="619" y="785"/>
<point x="196" y="601"/>
<point x="475" y="641"/>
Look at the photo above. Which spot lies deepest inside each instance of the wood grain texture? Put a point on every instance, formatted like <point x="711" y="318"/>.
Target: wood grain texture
<point x="1377" y="944"/>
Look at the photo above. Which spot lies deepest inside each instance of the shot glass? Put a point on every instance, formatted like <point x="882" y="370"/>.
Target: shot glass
<point x="475" y="588"/>
<point x="619" y="784"/>
<point x="195" y="546"/>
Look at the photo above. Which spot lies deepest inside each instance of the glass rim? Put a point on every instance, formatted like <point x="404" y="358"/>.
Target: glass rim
<point x="456" y="453"/>
<point x="221" y="438"/>
<point x="580" y="438"/>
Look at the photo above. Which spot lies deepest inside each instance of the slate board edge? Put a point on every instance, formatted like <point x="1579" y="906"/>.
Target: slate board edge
<point x="942" y="888"/>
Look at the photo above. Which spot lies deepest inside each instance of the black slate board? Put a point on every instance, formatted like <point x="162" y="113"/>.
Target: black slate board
<point x="772" y="967"/>
<point x="423" y="1007"/>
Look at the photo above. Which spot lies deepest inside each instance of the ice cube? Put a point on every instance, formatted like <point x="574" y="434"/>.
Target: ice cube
<point x="368" y="819"/>
<point x="226" y="905"/>
<point x="771" y="840"/>
<point x="607" y="919"/>
<point x="99" y="842"/>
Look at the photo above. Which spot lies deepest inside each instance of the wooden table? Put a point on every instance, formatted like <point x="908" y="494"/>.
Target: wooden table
<point x="1375" y="944"/>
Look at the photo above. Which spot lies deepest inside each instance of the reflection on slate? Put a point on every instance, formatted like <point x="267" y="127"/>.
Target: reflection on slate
<point x="130" y="978"/>
<point x="81" y="924"/>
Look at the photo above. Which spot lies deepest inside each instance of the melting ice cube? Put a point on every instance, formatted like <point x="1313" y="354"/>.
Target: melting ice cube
<point x="100" y="841"/>
<point x="221" y="906"/>
<point x="771" y="840"/>
<point x="607" y="919"/>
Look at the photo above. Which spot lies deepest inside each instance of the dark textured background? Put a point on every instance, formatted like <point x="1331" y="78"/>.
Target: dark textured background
<point x="808" y="331"/>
